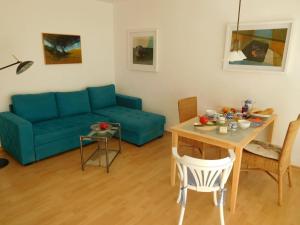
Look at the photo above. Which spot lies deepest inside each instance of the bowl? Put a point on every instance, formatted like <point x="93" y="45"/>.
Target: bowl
<point x="244" y="124"/>
<point x="210" y="112"/>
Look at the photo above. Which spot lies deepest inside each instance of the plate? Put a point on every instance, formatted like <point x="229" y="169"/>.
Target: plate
<point x="206" y="127"/>
<point x="260" y="115"/>
<point x="256" y="124"/>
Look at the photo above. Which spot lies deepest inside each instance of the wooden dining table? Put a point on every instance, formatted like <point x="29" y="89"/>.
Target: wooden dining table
<point x="236" y="140"/>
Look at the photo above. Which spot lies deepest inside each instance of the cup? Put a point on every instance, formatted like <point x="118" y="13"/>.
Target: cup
<point x="229" y="116"/>
<point x="233" y="126"/>
<point x="221" y="120"/>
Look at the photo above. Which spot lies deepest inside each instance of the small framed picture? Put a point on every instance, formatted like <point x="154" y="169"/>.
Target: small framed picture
<point x="264" y="46"/>
<point x="142" y="50"/>
<point x="61" y="48"/>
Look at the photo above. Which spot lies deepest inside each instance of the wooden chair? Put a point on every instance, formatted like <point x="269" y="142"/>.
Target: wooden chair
<point x="272" y="159"/>
<point x="187" y="109"/>
<point x="203" y="176"/>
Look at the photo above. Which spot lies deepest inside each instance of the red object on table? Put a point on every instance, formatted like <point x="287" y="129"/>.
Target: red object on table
<point x="103" y="126"/>
<point x="203" y="119"/>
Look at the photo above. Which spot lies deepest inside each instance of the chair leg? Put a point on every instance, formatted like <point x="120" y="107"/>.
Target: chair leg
<point x="215" y="198"/>
<point x="222" y="215"/>
<point x="280" y="176"/>
<point x="182" y="208"/>
<point x="290" y="176"/>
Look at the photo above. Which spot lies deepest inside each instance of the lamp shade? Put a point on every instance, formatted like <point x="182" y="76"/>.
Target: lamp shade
<point x="24" y="66"/>
<point x="235" y="56"/>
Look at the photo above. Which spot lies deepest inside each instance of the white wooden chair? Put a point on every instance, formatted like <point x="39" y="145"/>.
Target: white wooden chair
<point x="203" y="176"/>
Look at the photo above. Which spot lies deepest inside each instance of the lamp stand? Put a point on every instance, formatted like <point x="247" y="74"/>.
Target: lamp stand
<point x="3" y="162"/>
<point x="10" y="65"/>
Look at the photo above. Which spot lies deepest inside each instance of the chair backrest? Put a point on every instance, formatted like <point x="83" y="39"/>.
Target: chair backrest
<point x="187" y="108"/>
<point x="285" y="156"/>
<point x="203" y="175"/>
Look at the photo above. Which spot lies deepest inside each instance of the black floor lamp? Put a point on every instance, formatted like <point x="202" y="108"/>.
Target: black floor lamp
<point x="20" y="69"/>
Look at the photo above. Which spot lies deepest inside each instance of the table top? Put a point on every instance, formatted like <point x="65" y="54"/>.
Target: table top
<point x="102" y="134"/>
<point x="240" y="137"/>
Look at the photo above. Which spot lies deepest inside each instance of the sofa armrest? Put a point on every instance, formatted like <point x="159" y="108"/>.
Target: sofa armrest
<point x="16" y="135"/>
<point x="130" y="102"/>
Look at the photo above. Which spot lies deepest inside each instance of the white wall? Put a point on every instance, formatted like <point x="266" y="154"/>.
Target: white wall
<point x="191" y="47"/>
<point x="22" y="23"/>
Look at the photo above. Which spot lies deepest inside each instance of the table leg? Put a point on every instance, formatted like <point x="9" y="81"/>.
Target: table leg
<point x="120" y="138"/>
<point x="106" y="156"/>
<point x="99" y="152"/>
<point x="81" y="155"/>
<point x="173" y="161"/>
<point x="235" y="178"/>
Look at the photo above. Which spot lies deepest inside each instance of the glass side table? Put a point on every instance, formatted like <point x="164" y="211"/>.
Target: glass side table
<point x="102" y="137"/>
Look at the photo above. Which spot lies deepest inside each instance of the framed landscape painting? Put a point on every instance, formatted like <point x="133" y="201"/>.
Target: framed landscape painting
<point x="142" y="50"/>
<point x="265" y="46"/>
<point x="61" y="48"/>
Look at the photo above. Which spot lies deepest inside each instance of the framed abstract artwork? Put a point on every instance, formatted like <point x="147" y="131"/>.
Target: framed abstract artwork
<point x="142" y="50"/>
<point x="265" y="46"/>
<point x="61" y="48"/>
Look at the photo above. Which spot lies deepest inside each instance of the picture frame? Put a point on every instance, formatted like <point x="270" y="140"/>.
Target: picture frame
<point x="61" y="48"/>
<point x="266" y="46"/>
<point x="142" y="50"/>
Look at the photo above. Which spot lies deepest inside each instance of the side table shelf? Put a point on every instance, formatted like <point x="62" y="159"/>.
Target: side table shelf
<point x="102" y="138"/>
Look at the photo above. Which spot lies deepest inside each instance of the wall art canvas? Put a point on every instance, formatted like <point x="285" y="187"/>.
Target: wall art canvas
<point x="142" y="50"/>
<point x="265" y="46"/>
<point x="61" y="48"/>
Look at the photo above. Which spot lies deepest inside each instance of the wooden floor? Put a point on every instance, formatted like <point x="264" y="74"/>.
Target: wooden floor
<point x="137" y="191"/>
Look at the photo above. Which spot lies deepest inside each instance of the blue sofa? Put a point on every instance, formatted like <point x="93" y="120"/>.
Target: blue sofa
<point x="46" y="124"/>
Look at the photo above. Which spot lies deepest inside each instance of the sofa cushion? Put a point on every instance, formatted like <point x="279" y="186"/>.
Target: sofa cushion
<point x="133" y="120"/>
<point x="73" y="103"/>
<point x="101" y="97"/>
<point x="62" y="128"/>
<point x="35" y="107"/>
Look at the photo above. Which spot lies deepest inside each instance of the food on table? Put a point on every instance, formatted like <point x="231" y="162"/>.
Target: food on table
<point x="229" y="110"/>
<point x="268" y="111"/>
<point x="203" y="119"/>
<point x="225" y="109"/>
<point x="255" y="120"/>
<point x="103" y="125"/>
<point x="233" y="110"/>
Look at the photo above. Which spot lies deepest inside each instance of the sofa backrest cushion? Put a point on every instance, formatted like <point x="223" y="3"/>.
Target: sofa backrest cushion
<point x="35" y="107"/>
<point x="73" y="103"/>
<point x="101" y="97"/>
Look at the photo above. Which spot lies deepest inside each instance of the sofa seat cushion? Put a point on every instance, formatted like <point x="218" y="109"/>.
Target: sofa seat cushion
<point x="73" y="103"/>
<point x="61" y="128"/>
<point x="35" y="107"/>
<point x="133" y="120"/>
